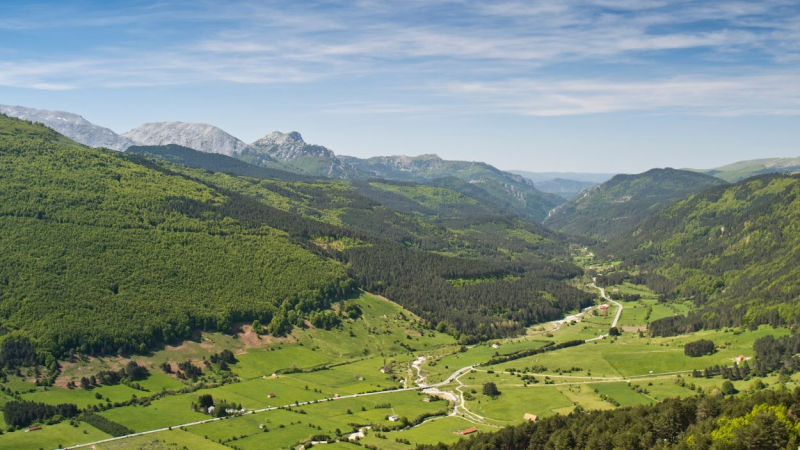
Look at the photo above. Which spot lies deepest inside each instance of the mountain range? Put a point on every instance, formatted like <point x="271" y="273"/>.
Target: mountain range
<point x="745" y="169"/>
<point x="618" y="205"/>
<point x="289" y="152"/>
<point x="112" y="251"/>
<point x="615" y="206"/>
<point x="108" y="256"/>
<point x="71" y="125"/>
<point x="733" y="250"/>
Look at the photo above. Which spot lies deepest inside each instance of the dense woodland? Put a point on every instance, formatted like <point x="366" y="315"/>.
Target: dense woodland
<point x="116" y="253"/>
<point x="108" y="255"/>
<point x="418" y="281"/>
<point x="765" y="420"/>
<point x="727" y="249"/>
<point x="617" y="206"/>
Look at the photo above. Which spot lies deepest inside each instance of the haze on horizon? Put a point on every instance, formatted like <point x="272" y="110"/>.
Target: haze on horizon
<point x="594" y="86"/>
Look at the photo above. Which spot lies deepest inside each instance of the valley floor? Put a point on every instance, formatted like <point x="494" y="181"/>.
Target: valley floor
<point x="335" y="387"/>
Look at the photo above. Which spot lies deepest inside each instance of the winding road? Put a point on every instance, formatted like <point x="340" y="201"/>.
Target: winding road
<point x="616" y="316"/>
<point x="459" y="402"/>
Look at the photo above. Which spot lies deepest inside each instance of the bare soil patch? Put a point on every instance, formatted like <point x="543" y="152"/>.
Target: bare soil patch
<point x="251" y="339"/>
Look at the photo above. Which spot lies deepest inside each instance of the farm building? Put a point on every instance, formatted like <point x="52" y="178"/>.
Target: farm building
<point x="530" y="417"/>
<point x="270" y="395"/>
<point x="603" y="307"/>
<point x="469" y="430"/>
<point x="394" y="418"/>
<point x="35" y="427"/>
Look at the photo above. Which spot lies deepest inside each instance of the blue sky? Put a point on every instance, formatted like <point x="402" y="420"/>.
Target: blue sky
<point x="595" y="85"/>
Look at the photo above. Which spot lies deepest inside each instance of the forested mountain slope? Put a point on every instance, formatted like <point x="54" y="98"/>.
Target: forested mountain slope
<point x="108" y="252"/>
<point x="103" y="254"/>
<point x="618" y="205"/>
<point x="433" y="250"/>
<point x="214" y="162"/>
<point x="514" y="191"/>
<point x="734" y="250"/>
<point x="418" y="215"/>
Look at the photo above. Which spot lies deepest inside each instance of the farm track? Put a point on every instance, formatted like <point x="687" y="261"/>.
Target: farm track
<point x="459" y="409"/>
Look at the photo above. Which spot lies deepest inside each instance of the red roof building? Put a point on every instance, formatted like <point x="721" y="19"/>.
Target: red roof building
<point x="468" y="431"/>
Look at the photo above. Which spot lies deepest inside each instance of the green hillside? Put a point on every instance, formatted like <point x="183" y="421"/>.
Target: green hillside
<point x="745" y="169"/>
<point x="106" y="251"/>
<point x="732" y="249"/>
<point x="618" y="205"/>
<point x="463" y="221"/>
<point x="503" y="188"/>
<point x="422" y="243"/>
<point x="103" y="254"/>
<point x="213" y="161"/>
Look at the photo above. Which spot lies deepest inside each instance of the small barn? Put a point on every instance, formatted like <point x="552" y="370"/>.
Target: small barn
<point x="469" y="430"/>
<point x="530" y="417"/>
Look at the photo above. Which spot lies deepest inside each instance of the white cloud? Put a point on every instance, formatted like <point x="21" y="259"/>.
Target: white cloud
<point x="772" y="94"/>
<point x="499" y="55"/>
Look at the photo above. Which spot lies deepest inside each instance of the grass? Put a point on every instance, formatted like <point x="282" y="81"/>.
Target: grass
<point x="264" y="362"/>
<point x="51" y="436"/>
<point x="161" y="413"/>
<point x="165" y="440"/>
<point x="287" y="427"/>
<point x="445" y="430"/>
<point x="622" y="393"/>
<point x="514" y="402"/>
<point x="383" y="335"/>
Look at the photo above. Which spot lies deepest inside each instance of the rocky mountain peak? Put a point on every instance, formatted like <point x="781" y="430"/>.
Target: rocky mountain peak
<point x="70" y="125"/>
<point x="280" y="139"/>
<point x="290" y="146"/>
<point x="198" y="136"/>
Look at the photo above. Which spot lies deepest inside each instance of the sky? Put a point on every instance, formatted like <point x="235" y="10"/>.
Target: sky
<point x="569" y="85"/>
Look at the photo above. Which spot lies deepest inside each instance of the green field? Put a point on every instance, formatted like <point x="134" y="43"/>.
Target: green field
<point x="51" y="436"/>
<point x="314" y="365"/>
<point x="165" y="440"/>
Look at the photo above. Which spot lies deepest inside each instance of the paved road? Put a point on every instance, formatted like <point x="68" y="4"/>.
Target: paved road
<point x="460" y="404"/>
<point x="616" y="317"/>
<point x="256" y="411"/>
<point x="449" y="379"/>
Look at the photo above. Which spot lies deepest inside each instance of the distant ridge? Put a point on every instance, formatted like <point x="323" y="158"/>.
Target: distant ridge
<point x="298" y="156"/>
<point x="618" y="205"/>
<point x="198" y="136"/>
<point x="70" y="125"/>
<point x="744" y="169"/>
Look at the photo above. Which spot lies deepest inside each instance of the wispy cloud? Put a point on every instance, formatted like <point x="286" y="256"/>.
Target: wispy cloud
<point x="542" y="58"/>
<point x="773" y="94"/>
